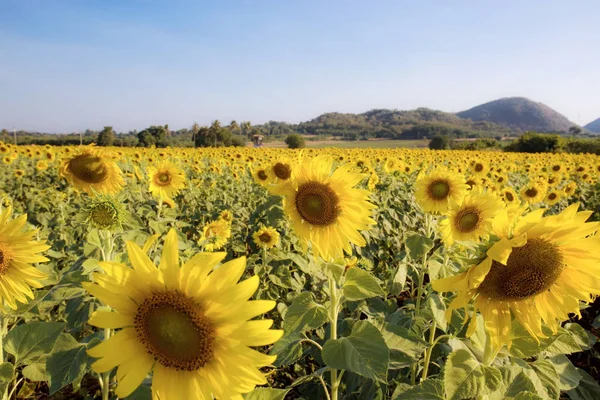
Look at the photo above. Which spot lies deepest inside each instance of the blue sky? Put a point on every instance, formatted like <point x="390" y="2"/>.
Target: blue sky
<point x="71" y="65"/>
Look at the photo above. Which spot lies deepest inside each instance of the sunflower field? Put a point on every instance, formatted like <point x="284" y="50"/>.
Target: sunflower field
<point x="271" y="274"/>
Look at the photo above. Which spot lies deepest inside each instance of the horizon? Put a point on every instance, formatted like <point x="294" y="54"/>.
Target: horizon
<point x="68" y="66"/>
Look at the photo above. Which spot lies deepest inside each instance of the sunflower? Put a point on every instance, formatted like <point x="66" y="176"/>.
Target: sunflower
<point x="439" y="189"/>
<point x="226" y="216"/>
<point x="166" y="180"/>
<point x="281" y="173"/>
<point x="509" y="195"/>
<point x="17" y="251"/>
<point x="325" y="209"/>
<point x="105" y="213"/>
<point x="533" y="192"/>
<point x="262" y="176"/>
<point x="472" y="218"/>
<point x="92" y="172"/>
<point x="215" y="235"/>
<point x="538" y="272"/>
<point x="553" y="197"/>
<point x="266" y="237"/>
<point x="19" y="173"/>
<point x="41" y="165"/>
<point x="190" y="326"/>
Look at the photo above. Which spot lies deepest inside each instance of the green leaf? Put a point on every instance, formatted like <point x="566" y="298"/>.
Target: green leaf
<point x="418" y="246"/>
<point x="7" y="371"/>
<point x="429" y="389"/>
<point x="569" y="377"/>
<point x="333" y="270"/>
<point x="398" y="279"/>
<point x="527" y="396"/>
<point x="438" y="309"/>
<point x="288" y="349"/>
<point x="266" y="394"/>
<point x="28" y="342"/>
<point x="66" y="366"/>
<point x="364" y="352"/>
<point x="465" y="377"/>
<point x="545" y="379"/>
<point x="514" y="381"/>
<point x="588" y="388"/>
<point x="304" y="314"/>
<point x="571" y="339"/>
<point x="36" y="372"/>
<point x="404" y="346"/>
<point x="360" y="284"/>
<point x="143" y="392"/>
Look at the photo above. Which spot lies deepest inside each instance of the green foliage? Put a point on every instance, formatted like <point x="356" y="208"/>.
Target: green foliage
<point x="295" y="141"/>
<point x="155" y="135"/>
<point x="217" y="136"/>
<point x="439" y="142"/>
<point x="106" y="137"/>
<point x="532" y="142"/>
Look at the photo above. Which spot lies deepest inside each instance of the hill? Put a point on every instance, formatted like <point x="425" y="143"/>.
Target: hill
<point x="412" y="124"/>
<point x="519" y="113"/>
<point x="593" y="126"/>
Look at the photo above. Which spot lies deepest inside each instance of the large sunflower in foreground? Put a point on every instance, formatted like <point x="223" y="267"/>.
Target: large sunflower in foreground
<point x="326" y="209"/>
<point x="189" y="325"/>
<point x="538" y="272"/>
<point x="92" y="172"/>
<point x="438" y="190"/>
<point x="17" y="251"/>
<point x="166" y="180"/>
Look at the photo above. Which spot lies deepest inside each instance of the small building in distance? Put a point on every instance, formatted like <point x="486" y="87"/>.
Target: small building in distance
<point x="257" y="140"/>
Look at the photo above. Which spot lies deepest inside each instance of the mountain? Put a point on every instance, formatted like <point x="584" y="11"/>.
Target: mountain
<point x="519" y="113"/>
<point x="593" y="126"/>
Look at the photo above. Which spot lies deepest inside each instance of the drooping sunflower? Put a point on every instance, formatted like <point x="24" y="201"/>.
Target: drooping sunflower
<point x="326" y="209"/>
<point x="438" y="190"/>
<point x="92" y="172"/>
<point x="190" y="325"/>
<point x="215" y="235"/>
<point x="472" y="218"/>
<point x="537" y="272"/>
<point x="266" y="237"/>
<point x="166" y="180"/>
<point x="17" y="250"/>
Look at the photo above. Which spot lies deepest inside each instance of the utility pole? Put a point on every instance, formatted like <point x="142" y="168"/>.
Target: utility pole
<point x="80" y="138"/>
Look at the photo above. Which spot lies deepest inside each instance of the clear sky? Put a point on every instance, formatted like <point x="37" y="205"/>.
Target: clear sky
<point x="68" y="65"/>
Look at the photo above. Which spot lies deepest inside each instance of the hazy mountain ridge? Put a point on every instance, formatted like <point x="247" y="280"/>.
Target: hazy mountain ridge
<point x="519" y="113"/>
<point x="593" y="126"/>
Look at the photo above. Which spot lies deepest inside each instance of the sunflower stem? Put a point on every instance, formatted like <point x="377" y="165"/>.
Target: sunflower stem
<point x="333" y="330"/>
<point x="106" y="256"/>
<point x="421" y="286"/>
<point x="3" y="329"/>
<point x="429" y="350"/>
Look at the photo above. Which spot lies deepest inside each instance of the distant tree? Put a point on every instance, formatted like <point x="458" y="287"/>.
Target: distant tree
<point x="195" y="129"/>
<point x="246" y="128"/>
<point x="155" y="135"/>
<point x="532" y="142"/>
<point x="5" y="134"/>
<point x="106" y="137"/>
<point x="295" y="141"/>
<point x="217" y="136"/>
<point x="439" y="142"/>
<point x="234" y="127"/>
<point x="574" y="130"/>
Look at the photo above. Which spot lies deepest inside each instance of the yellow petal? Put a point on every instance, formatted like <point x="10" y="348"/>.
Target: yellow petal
<point x="110" y="320"/>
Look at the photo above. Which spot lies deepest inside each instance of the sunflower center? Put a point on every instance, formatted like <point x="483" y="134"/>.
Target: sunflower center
<point x="317" y="203"/>
<point x="478" y="167"/>
<point x="175" y="331"/>
<point x="262" y="175"/>
<point x="103" y="215"/>
<point x="4" y="259"/>
<point x="439" y="190"/>
<point x="467" y="220"/>
<point x="164" y="178"/>
<point x="556" y="168"/>
<point x="282" y="171"/>
<point x="265" y="237"/>
<point x="509" y="196"/>
<point x="552" y="196"/>
<point x="532" y="192"/>
<point x="88" y="168"/>
<point x="530" y="270"/>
